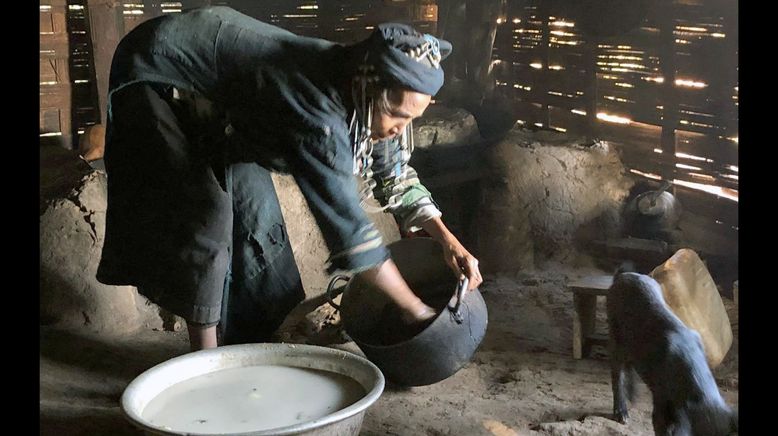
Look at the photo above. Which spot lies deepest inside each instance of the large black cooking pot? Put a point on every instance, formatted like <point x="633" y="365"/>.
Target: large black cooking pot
<point x="653" y="214"/>
<point x="414" y="358"/>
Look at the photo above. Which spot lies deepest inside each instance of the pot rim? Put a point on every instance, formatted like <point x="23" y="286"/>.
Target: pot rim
<point x="427" y="330"/>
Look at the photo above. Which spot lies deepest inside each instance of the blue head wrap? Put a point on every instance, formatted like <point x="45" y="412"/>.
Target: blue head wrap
<point x="401" y="55"/>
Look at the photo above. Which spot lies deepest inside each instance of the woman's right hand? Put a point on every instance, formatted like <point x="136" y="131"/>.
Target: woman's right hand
<point x="413" y="321"/>
<point x="386" y="277"/>
<point x="417" y="314"/>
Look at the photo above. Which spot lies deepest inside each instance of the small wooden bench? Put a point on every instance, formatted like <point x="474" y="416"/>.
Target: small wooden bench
<point x="585" y="292"/>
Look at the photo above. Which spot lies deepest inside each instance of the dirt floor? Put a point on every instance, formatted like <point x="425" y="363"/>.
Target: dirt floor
<point x="522" y="380"/>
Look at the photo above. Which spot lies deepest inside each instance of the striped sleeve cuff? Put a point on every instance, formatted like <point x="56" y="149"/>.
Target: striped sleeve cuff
<point x="423" y="212"/>
<point x="370" y="253"/>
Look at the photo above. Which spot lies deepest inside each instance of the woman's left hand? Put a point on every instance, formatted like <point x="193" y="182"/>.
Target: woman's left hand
<point x="462" y="262"/>
<point x="456" y="256"/>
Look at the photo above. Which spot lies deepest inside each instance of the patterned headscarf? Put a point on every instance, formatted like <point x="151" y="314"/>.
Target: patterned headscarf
<point x="401" y="55"/>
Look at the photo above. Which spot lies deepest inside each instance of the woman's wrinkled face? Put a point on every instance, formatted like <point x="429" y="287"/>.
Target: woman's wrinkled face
<point x="402" y="105"/>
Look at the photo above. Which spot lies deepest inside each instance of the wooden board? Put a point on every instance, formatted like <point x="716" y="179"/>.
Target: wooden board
<point x="55" y="90"/>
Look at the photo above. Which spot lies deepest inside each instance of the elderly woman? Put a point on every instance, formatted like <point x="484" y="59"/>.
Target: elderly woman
<point x="202" y="105"/>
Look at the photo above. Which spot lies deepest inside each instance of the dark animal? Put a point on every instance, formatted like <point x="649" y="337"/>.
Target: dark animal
<point x="648" y="338"/>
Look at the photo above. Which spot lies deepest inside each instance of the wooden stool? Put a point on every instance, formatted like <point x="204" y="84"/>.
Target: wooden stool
<point x="585" y="292"/>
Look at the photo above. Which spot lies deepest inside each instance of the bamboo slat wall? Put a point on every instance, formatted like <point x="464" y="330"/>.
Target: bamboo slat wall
<point x="557" y="78"/>
<point x="682" y="128"/>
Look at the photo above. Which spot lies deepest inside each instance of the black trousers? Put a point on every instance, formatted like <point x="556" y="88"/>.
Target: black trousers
<point x="198" y="233"/>
<point x="263" y="284"/>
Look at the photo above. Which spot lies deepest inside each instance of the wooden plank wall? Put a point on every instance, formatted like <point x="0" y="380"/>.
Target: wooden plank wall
<point x="55" y="90"/>
<point x="77" y="41"/>
<point x="68" y="91"/>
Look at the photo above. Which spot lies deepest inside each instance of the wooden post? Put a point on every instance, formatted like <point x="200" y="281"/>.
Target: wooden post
<point x="668" y="90"/>
<point x="106" y="24"/>
<point x="542" y="85"/>
<point x="590" y="94"/>
<point x="481" y="19"/>
<point x="151" y="9"/>
<point x="730" y="73"/>
<point x="451" y="20"/>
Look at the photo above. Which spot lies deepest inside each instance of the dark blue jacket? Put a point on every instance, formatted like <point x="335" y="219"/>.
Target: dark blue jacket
<point x="284" y="97"/>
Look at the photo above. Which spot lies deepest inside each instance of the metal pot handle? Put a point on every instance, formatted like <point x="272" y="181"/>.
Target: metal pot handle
<point x="455" y="313"/>
<point x="330" y="297"/>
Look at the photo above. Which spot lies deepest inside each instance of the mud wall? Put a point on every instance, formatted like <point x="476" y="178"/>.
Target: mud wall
<point x="72" y="230"/>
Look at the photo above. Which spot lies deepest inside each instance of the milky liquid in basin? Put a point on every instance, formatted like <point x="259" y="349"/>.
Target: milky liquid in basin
<point x="251" y="399"/>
